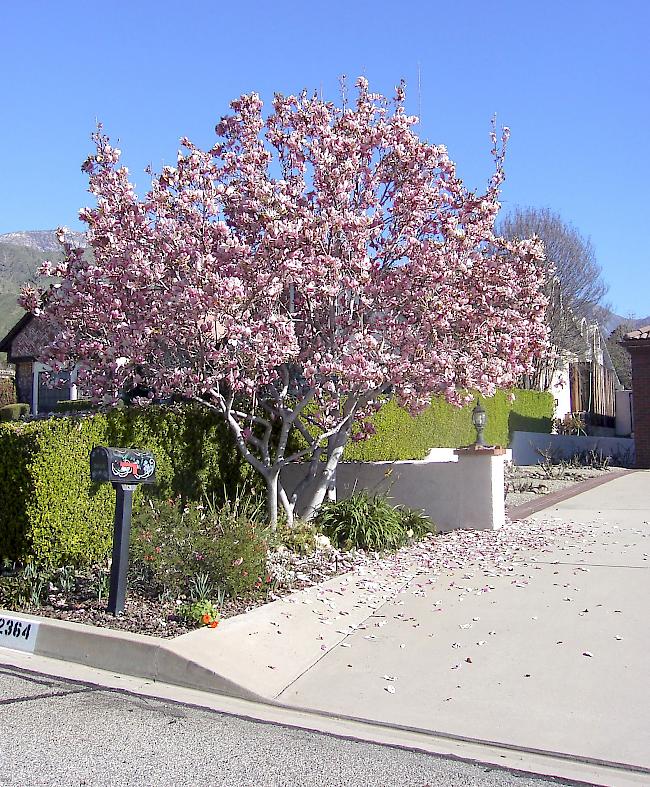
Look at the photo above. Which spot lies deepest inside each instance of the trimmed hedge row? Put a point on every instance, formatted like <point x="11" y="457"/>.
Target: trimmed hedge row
<point x="402" y="436"/>
<point x="74" y="406"/>
<point x="52" y="514"/>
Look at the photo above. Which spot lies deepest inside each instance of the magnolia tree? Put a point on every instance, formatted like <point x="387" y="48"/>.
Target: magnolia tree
<point x="293" y="275"/>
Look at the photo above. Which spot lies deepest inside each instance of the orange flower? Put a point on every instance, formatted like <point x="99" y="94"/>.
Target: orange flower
<point x="214" y="624"/>
<point x="206" y="619"/>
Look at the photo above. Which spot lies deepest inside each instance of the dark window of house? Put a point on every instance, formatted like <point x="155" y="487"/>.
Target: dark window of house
<point x="49" y="396"/>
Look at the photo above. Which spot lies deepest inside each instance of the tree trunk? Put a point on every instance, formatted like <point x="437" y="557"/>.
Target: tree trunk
<point x="331" y="484"/>
<point x="272" y="498"/>
<point x="326" y="479"/>
<point x="288" y="506"/>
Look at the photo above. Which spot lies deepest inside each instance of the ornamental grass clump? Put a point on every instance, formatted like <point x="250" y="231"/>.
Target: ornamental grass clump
<point x="24" y="587"/>
<point x="368" y="521"/>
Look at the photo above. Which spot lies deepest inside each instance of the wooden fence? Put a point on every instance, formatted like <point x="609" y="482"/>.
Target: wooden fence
<point x="593" y="392"/>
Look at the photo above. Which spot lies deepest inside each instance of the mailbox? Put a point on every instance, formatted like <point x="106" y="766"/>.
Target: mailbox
<point x="122" y="466"/>
<point x="125" y="468"/>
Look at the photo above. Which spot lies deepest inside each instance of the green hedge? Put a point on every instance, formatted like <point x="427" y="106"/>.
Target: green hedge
<point x="402" y="436"/>
<point x="13" y="412"/>
<point x="74" y="406"/>
<point x="52" y="514"/>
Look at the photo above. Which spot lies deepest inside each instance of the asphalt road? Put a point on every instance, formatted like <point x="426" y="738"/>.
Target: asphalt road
<point x="57" y="732"/>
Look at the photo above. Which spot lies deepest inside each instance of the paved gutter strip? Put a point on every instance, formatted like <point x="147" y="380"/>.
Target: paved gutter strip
<point x="495" y="745"/>
<point x="525" y="761"/>
<point x="553" y="498"/>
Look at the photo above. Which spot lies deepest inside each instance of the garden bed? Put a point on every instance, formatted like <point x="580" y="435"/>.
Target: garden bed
<point x="526" y="483"/>
<point x="146" y="612"/>
<point x="81" y="596"/>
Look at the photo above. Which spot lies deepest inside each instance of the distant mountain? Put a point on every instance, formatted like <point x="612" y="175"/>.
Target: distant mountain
<point x="612" y="321"/>
<point x="19" y="263"/>
<point x="40" y="240"/>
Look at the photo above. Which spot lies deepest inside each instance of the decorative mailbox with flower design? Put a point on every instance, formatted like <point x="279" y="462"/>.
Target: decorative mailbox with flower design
<point x="126" y="469"/>
<point x="122" y="466"/>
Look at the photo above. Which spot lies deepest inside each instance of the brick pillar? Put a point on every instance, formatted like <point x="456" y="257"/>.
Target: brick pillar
<point x="640" y="353"/>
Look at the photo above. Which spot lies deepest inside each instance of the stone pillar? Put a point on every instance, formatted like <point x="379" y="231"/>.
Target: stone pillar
<point x="480" y="487"/>
<point x="24" y="382"/>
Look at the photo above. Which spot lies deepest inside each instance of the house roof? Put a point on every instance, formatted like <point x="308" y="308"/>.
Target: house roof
<point x="5" y="344"/>
<point x="26" y="338"/>
<point x="639" y="333"/>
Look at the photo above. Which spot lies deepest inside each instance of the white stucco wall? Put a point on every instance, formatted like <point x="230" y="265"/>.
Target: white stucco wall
<point x="449" y="455"/>
<point x="467" y="493"/>
<point x="624" y="425"/>
<point x="525" y="446"/>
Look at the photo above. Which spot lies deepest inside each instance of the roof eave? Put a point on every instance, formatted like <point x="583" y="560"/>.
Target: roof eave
<point x="5" y="344"/>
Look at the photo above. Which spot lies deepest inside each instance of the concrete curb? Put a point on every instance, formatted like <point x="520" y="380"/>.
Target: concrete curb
<point x="524" y="761"/>
<point x="247" y="656"/>
<point x="125" y="653"/>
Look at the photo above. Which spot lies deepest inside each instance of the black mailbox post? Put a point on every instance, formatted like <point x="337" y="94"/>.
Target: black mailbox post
<point x="125" y="468"/>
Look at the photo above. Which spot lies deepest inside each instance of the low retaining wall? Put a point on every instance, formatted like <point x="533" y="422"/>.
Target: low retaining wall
<point x="465" y="493"/>
<point x="526" y="446"/>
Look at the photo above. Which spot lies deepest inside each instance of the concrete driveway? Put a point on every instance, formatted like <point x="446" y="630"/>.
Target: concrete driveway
<point x="553" y="655"/>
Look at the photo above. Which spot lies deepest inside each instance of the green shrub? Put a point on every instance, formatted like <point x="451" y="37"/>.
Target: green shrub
<point x="50" y="513"/>
<point x="74" y="406"/>
<point x="301" y="538"/>
<point x="13" y="412"/>
<point x="7" y="391"/>
<point x="369" y="521"/>
<point x="172" y="543"/>
<point x="195" y="454"/>
<point x="402" y="436"/>
<point x="203" y="612"/>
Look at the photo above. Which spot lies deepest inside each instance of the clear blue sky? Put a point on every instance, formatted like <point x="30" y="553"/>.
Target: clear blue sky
<point x="571" y="79"/>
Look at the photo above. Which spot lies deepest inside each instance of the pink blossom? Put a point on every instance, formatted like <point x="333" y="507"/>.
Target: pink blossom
<point x="307" y="263"/>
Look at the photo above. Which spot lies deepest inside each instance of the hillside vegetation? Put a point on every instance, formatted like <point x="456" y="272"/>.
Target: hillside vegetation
<point x="18" y="264"/>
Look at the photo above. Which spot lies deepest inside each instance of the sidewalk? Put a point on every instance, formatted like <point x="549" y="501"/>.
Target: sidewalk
<point x="543" y="651"/>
